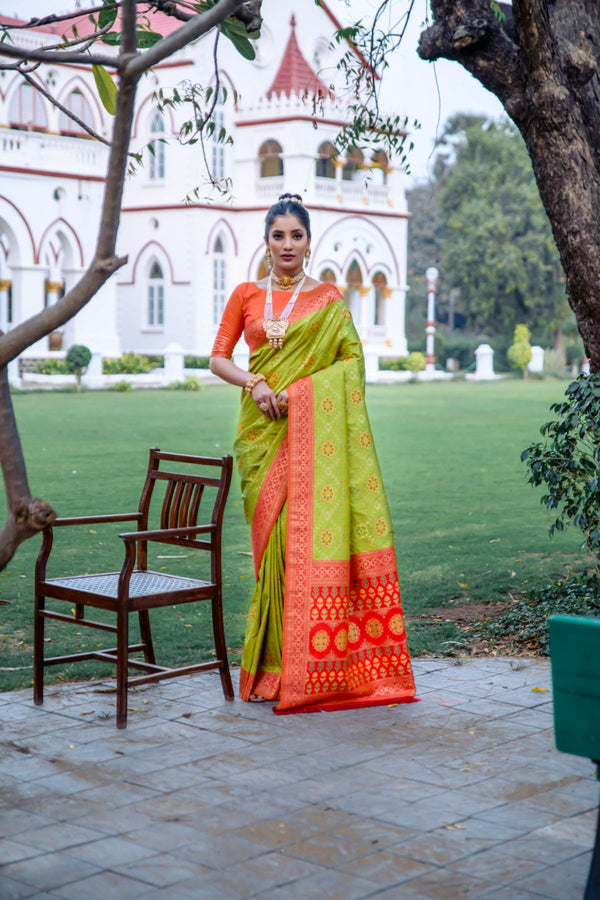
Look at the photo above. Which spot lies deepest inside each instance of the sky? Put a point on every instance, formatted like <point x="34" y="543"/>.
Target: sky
<point x="430" y="92"/>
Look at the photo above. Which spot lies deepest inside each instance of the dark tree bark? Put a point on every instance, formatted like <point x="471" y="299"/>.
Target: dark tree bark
<point x="542" y="62"/>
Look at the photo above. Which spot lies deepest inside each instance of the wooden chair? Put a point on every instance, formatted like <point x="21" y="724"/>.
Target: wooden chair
<point x="135" y="589"/>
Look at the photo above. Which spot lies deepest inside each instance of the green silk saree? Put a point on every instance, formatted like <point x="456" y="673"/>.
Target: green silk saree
<point x="325" y="626"/>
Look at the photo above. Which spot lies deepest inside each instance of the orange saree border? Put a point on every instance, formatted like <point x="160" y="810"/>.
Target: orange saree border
<point x="357" y="654"/>
<point x="269" y="504"/>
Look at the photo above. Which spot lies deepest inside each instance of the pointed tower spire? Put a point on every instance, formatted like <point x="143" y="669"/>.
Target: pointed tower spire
<point x="294" y="74"/>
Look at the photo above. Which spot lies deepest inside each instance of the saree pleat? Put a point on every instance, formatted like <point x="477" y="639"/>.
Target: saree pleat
<point x="261" y="658"/>
<point x="325" y="628"/>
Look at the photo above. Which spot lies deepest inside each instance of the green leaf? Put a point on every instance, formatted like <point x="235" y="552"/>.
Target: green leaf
<point x="107" y="17"/>
<point x="113" y="38"/>
<point x="241" y="44"/>
<point x="147" y="39"/>
<point x="107" y="89"/>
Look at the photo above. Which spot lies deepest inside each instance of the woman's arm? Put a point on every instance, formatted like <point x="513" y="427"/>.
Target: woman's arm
<point x="261" y="392"/>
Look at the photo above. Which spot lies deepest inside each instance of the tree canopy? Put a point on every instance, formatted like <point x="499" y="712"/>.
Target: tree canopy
<point x="497" y="244"/>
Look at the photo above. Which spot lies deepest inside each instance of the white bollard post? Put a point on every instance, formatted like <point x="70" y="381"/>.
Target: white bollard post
<point x="13" y="373"/>
<point x="536" y="363"/>
<point x="174" y="357"/>
<point x="484" y="362"/>
<point x="371" y="367"/>
<point x="93" y="377"/>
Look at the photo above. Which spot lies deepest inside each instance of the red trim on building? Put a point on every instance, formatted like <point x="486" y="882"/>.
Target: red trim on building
<point x="310" y="206"/>
<point x="52" y="174"/>
<point x="73" y="234"/>
<point x="25" y="222"/>
<point x="314" y="120"/>
<point x="165" y="254"/>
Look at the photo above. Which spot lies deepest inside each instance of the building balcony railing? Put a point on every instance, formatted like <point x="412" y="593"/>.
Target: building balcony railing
<point x="269" y="189"/>
<point x="351" y="193"/>
<point x="55" y="153"/>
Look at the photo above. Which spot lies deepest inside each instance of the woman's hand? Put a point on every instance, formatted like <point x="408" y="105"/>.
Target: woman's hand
<point x="282" y="402"/>
<point x="266" y="400"/>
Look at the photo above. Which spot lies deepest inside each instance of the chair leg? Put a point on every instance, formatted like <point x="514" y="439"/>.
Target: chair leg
<point x="221" y="647"/>
<point x="146" y="635"/>
<point x="38" y="650"/>
<point x="122" y="664"/>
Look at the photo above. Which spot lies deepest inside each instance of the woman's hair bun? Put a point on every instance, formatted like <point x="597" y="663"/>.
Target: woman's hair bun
<point x="295" y="198"/>
<point x="288" y="204"/>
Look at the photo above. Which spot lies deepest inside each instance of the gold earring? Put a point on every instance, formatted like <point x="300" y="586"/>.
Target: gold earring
<point x="307" y="254"/>
<point x="269" y="258"/>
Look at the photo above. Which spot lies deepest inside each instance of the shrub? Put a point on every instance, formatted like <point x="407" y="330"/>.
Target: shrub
<point x="191" y="383"/>
<point x="128" y="364"/>
<point x="391" y="363"/>
<point x="196" y="362"/>
<point x="519" y="352"/>
<point x="122" y="385"/>
<point x="524" y="626"/>
<point x="567" y="461"/>
<point x="50" y="367"/>
<point x="77" y="360"/>
<point x="415" y="362"/>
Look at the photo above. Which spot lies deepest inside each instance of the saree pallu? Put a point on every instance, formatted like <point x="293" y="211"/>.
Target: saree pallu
<point x="325" y="627"/>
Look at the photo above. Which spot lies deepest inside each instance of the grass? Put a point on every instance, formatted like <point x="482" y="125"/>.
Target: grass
<point x="467" y="525"/>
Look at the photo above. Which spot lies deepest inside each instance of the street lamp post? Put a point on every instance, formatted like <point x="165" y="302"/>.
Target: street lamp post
<point x="432" y="276"/>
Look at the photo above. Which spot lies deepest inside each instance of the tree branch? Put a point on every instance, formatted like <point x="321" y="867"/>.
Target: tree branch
<point x="56" y="56"/>
<point x="195" y="28"/>
<point x="63" y="109"/>
<point x="15" y="341"/>
<point x="469" y="32"/>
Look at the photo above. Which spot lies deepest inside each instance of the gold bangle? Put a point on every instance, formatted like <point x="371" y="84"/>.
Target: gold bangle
<point x="252" y="382"/>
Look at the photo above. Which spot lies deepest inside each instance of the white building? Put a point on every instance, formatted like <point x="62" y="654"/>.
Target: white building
<point x="185" y="258"/>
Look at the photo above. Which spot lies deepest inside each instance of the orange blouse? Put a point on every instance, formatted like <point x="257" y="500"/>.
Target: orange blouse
<point x="245" y="313"/>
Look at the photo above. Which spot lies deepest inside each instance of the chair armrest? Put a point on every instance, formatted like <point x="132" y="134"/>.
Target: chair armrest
<point x="98" y="520"/>
<point x="159" y="535"/>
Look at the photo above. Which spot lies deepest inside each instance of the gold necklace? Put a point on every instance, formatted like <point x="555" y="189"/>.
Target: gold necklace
<point x="286" y="281"/>
<point x="276" y="327"/>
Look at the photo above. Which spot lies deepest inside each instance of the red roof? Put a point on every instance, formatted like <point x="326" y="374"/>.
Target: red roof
<point x="155" y="20"/>
<point x="294" y="74"/>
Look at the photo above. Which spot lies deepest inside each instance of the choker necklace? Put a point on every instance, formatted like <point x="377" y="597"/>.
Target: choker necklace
<point x="276" y="326"/>
<point x="286" y="281"/>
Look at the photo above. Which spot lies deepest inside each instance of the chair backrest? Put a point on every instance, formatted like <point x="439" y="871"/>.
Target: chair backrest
<point x="183" y="494"/>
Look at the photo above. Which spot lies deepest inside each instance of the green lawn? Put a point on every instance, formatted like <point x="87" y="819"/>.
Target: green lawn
<point x="467" y="523"/>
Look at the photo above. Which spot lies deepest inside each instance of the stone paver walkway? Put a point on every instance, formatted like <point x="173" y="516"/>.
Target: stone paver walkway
<point x="460" y="795"/>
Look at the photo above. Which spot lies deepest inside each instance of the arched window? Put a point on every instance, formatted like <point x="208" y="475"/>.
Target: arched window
<point x="328" y="275"/>
<point x="155" y="310"/>
<point x="381" y="294"/>
<point x="353" y="165"/>
<point x="27" y="110"/>
<point x="218" y="285"/>
<point x="156" y="148"/>
<point x="352" y="294"/>
<point x="77" y="104"/>
<point x="271" y="163"/>
<point x="218" y="147"/>
<point x="379" y="167"/>
<point x="325" y="167"/>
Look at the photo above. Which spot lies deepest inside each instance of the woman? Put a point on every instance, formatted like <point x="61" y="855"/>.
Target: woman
<point x="325" y="627"/>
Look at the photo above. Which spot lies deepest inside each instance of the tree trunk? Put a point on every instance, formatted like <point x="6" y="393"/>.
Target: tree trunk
<point x="26" y="515"/>
<point x="542" y="62"/>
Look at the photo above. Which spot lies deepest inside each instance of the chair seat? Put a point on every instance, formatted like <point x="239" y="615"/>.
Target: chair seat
<point x="141" y="584"/>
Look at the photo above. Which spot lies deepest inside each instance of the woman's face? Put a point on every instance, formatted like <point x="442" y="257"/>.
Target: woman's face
<point x="288" y="242"/>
